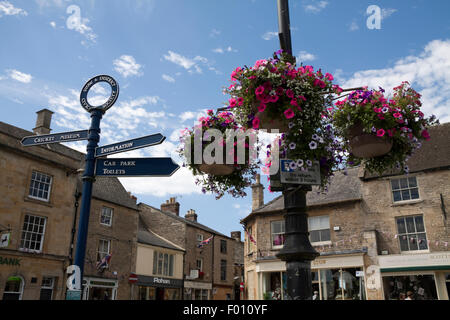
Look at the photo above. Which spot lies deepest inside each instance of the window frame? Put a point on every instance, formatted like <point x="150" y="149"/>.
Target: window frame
<point x="44" y="287"/>
<point x="199" y="237"/>
<point x="23" y="239"/>
<point x="223" y="246"/>
<point x="408" y="234"/>
<point x="111" y="210"/>
<point x="20" y="292"/>
<point x="161" y="265"/>
<point x="99" y="254"/>
<point x="278" y="233"/>
<point x="198" y="265"/>
<point x="223" y="269"/>
<point x="31" y="186"/>
<point x="400" y="189"/>
<point x="320" y="242"/>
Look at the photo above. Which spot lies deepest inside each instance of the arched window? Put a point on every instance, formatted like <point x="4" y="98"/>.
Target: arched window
<point x="13" y="288"/>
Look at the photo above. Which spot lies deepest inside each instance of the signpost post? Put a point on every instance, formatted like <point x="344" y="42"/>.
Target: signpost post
<point x="97" y="164"/>
<point x="297" y="251"/>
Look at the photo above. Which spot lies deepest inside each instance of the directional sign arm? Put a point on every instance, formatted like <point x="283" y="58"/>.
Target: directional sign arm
<point x="55" y="138"/>
<point x="136" y="167"/>
<point x="128" y="145"/>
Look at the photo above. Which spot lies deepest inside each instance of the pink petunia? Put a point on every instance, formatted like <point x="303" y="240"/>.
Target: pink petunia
<point x="255" y="123"/>
<point x="329" y="76"/>
<point x="426" y="135"/>
<point x="289" y="93"/>
<point x="377" y="110"/>
<point x="279" y="91"/>
<point x="262" y="107"/>
<point x="380" y="116"/>
<point x="397" y="115"/>
<point x="232" y="102"/>
<point x="240" y="101"/>
<point x="380" y="132"/>
<point x="294" y="103"/>
<point x="259" y="90"/>
<point x="274" y="98"/>
<point x="289" y="113"/>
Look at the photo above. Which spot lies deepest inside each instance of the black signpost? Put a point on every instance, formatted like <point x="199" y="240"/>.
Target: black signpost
<point x="297" y="251"/>
<point x="97" y="165"/>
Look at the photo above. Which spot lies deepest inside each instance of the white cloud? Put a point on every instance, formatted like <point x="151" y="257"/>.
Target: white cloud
<point x="19" y="76"/>
<point x="168" y="78"/>
<point x="428" y="73"/>
<point x="53" y="24"/>
<point x="354" y="26"/>
<point x="214" y="33"/>
<point x="191" y="65"/>
<point x="269" y="35"/>
<point x="221" y="50"/>
<point x="187" y="115"/>
<point x="8" y="9"/>
<point x="127" y="66"/>
<point x="316" y="6"/>
<point x="306" y="56"/>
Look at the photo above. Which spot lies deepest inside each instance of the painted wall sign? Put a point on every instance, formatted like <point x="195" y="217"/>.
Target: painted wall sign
<point x="128" y="145"/>
<point x="111" y="100"/>
<point x="55" y="138"/>
<point x="133" y="167"/>
<point x="10" y="261"/>
<point x="311" y="176"/>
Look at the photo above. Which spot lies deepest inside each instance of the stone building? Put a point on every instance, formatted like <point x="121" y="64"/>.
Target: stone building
<point x="378" y="236"/>
<point x="38" y="219"/>
<point x="159" y="267"/>
<point x="210" y="270"/>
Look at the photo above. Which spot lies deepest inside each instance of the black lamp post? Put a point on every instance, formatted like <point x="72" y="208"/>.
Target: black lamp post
<point x="297" y="250"/>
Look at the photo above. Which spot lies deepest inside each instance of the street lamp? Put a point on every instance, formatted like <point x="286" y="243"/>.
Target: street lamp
<point x="297" y="251"/>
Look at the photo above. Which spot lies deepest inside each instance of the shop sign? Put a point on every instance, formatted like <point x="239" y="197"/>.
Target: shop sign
<point x="159" y="282"/>
<point x="10" y="261"/>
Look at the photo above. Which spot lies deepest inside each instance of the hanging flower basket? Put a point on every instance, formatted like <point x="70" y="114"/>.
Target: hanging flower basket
<point x="367" y="145"/>
<point x="275" y="94"/>
<point x="382" y="132"/>
<point x="228" y="172"/>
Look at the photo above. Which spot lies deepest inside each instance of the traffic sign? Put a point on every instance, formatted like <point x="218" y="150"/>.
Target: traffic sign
<point x="135" y="167"/>
<point x="133" y="278"/>
<point x="290" y="173"/>
<point x="128" y="145"/>
<point x="55" y="138"/>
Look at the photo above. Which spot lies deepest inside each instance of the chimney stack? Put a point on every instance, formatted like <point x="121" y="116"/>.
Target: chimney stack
<point x="236" y="235"/>
<point x="191" y="215"/>
<point x="171" y="206"/>
<point x="257" y="193"/>
<point x="43" y="122"/>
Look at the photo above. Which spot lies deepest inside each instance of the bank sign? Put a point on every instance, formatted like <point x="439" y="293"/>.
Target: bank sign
<point x="10" y="261"/>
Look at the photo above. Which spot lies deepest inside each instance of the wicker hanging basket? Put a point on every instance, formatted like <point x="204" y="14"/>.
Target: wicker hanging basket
<point x="367" y="145"/>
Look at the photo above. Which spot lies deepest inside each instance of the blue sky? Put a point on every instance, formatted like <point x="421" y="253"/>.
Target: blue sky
<point x="172" y="59"/>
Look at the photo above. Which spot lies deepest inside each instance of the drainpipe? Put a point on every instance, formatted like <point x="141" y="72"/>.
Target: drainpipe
<point x="74" y="225"/>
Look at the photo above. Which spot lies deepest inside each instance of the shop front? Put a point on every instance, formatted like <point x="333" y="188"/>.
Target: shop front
<point x="333" y="278"/>
<point x="196" y="290"/>
<point x="99" y="288"/>
<point x="424" y="276"/>
<point x="159" y="288"/>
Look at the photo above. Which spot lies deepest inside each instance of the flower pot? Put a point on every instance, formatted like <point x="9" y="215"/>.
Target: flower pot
<point x="268" y="123"/>
<point x="217" y="169"/>
<point x="367" y="145"/>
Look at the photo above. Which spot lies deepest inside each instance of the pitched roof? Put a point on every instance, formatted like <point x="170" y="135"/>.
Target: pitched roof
<point x="344" y="186"/>
<point x="434" y="153"/>
<point x="187" y="221"/>
<point x="146" y="236"/>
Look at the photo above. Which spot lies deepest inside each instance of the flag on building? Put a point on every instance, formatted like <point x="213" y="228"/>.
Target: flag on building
<point x="250" y="237"/>
<point x="104" y="262"/>
<point x="204" y="242"/>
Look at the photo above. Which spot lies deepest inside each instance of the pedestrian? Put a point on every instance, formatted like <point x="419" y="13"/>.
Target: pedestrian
<point x="315" y="296"/>
<point x="410" y="295"/>
<point x="402" y="296"/>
